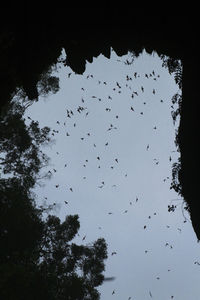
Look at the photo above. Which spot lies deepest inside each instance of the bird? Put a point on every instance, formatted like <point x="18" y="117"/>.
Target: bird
<point x="125" y="211"/>
<point x="142" y="88"/>
<point x="106" y="144"/>
<point x="71" y="189"/>
<point x="116" y="160"/>
<point x="57" y="185"/>
<point x="98" y="157"/>
<point x="132" y="108"/>
<point x="110" y="213"/>
<point x="69" y="74"/>
<point x="113" y="292"/>
<point x="84" y="238"/>
<point x="145" y="226"/>
<point x="154" y="91"/>
<point x="136" y="200"/>
<point x="148" y="147"/>
<point x="113" y="253"/>
<point x="150" y="294"/>
<point x="58" y="122"/>
<point x="66" y="202"/>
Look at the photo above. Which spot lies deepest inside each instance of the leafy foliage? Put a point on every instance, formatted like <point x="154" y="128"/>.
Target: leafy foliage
<point x="19" y="145"/>
<point x="38" y="259"/>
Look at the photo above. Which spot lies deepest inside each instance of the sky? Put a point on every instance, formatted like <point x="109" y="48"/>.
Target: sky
<point x="111" y="161"/>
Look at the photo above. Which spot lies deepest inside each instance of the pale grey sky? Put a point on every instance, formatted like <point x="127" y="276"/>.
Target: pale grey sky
<point x="117" y="149"/>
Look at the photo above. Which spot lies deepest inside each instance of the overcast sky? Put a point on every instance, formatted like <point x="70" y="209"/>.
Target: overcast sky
<point x="113" y="154"/>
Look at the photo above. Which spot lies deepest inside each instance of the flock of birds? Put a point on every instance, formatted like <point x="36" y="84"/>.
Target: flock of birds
<point x="81" y="109"/>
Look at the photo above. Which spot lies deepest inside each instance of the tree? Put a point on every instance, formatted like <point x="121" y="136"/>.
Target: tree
<point x="38" y="259"/>
<point x="72" y="271"/>
<point x="20" y="145"/>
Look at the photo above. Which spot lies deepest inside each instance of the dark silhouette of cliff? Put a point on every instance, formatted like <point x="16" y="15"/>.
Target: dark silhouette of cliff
<point x="32" y="37"/>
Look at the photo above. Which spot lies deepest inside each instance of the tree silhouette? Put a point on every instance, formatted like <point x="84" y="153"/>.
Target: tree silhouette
<point x="20" y="145"/>
<point x="38" y="259"/>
